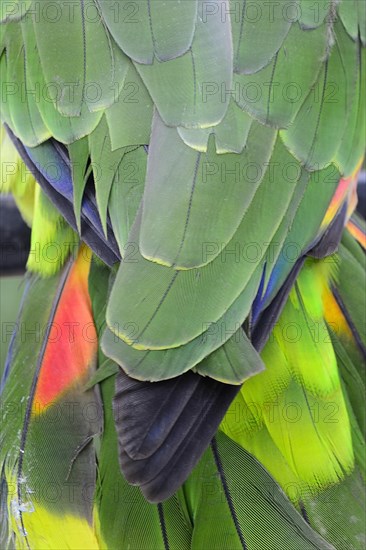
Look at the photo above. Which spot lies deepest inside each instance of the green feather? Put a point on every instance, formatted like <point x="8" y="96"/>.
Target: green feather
<point x="187" y="90"/>
<point x="275" y="94"/>
<point x="135" y="107"/>
<point x="252" y="21"/>
<point x="196" y="199"/>
<point x="125" y="197"/>
<point x="64" y="129"/>
<point x="98" y="68"/>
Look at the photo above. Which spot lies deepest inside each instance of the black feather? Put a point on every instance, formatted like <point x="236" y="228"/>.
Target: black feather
<point x="329" y="241"/>
<point x="164" y="427"/>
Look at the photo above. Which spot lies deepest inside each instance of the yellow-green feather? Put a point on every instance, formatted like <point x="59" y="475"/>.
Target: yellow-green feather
<point x="295" y="416"/>
<point x="52" y="238"/>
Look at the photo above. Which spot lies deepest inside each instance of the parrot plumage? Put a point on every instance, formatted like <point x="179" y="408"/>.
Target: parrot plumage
<point x="188" y="365"/>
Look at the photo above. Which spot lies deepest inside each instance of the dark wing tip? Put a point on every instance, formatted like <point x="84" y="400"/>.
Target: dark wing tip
<point x="164" y="428"/>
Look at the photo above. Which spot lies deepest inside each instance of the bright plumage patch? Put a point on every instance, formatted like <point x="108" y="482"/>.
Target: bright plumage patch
<point x="357" y="231"/>
<point x="72" y="339"/>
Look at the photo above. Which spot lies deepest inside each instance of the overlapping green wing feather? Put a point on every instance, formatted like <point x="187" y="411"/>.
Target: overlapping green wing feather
<point x="216" y="133"/>
<point x="240" y="107"/>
